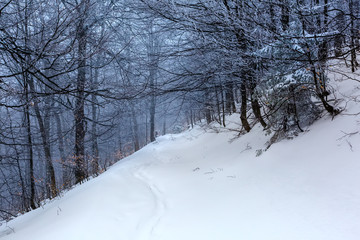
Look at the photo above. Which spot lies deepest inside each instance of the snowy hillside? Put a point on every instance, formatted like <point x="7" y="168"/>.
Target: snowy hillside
<point x="212" y="186"/>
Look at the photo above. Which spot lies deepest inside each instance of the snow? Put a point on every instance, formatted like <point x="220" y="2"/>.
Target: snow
<point x="205" y="185"/>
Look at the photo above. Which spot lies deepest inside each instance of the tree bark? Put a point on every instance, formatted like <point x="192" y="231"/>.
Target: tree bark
<point x="50" y="172"/>
<point x="353" y="37"/>
<point x="135" y="128"/>
<point x="65" y="168"/>
<point x="153" y="63"/>
<point x="94" y="137"/>
<point x="218" y="105"/>
<point x="79" y="115"/>
<point x="207" y="106"/>
<point x="243" y="109"/>
<point x="285" y="15"/>
<point x="27" y="116"/>
<point x="339" y="37"/>
<point x="257" y="110"/>
<point x="229" y="98"/>
<point x="31" y="177"/>
<point x="152" y="117"/>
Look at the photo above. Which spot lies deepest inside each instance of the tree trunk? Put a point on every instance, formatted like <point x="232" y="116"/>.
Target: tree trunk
<point x="207" y="106"/>
<point x="79" y="115"/>
<point x="46" y="120"/>
<point x="285" y="15"/>
<point x="146" y="127"/>
<point x="353" y="37"/>
<point x="65" y="168"/>
<point x="229" y="98"/>
<point x="152" y="117"/>
<point x="321" y="94"/>
<point x="243" y="109"/>
<point x="272" y="26"/>
<point x="152" y="109"/>
<point x="22" y="182"/>
<point x="323" y="47"/>
<point x="222" y="105"/>
<point x="218" y="105"/>
<point x="135" y="128"/>
<point x="339" y="37"/>
<point x="152" y="49"/>
<point x="94" y="137"/>
<point x="31" y="178"/>
<point x="257" y="110"/>
<point x="50" y="172"/>
<point x="27" y="116"/>
<point x="191" y="118"/>
<point x="252" y="83"/>
<point x="164" y="126"/>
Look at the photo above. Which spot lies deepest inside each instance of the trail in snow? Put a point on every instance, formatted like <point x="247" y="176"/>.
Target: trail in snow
<point x="119" y="204"/>
<point x="146" y="228"/>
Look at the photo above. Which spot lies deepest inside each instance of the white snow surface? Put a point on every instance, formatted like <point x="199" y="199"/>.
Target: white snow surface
<point x="202" y="185"/>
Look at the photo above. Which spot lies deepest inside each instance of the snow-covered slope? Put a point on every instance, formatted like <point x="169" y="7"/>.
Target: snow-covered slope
<point x="205" y="185"/>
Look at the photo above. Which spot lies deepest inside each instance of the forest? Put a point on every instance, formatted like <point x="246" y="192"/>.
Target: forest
<point x="85" y="83"/>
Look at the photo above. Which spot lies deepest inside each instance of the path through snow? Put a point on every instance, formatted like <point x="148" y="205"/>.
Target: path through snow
<point x="147" y="227"/>
<point x="120" y="204"/>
